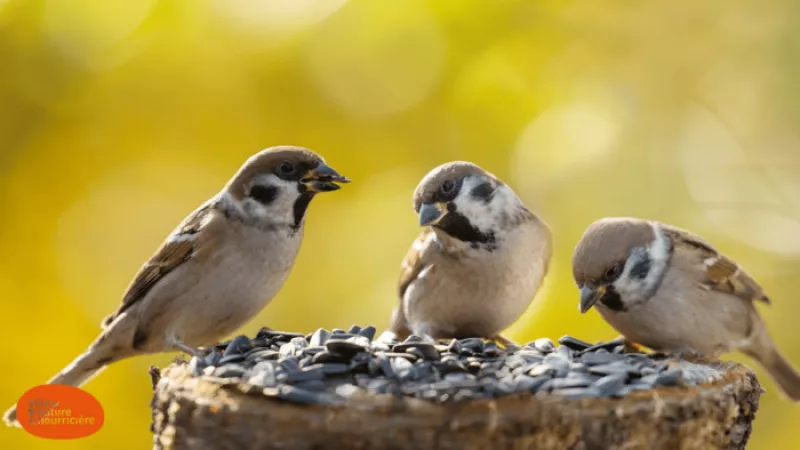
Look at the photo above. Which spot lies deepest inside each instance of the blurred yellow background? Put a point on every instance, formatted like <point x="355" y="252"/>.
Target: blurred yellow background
<point x="117" y="118"/>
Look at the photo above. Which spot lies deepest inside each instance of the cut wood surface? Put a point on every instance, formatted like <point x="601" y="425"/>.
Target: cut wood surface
<point x="191" y="412"/>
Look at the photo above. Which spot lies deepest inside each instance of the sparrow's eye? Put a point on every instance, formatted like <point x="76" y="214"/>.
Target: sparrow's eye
<point x="448" y="186"/>
<point x="614" y="272"/>
<point x="286" y="168"/>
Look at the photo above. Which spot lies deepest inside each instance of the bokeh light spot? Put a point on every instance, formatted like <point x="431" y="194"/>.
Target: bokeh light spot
<point x="135" y="220"/>
<point x="570" y="135"/>
<point x="275" y="16"/>
<point x="735" y="196"/>
<point x="86" y="29"/>
<point x="377" y="58"/>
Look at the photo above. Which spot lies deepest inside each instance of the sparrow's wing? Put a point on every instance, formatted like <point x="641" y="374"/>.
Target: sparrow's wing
<point x="417" y="260"/>
<point x="722" y="274"/>
<point x="179" y="247"/>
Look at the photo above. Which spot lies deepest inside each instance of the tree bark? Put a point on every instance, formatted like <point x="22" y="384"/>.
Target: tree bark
<point x="195" y="413"/>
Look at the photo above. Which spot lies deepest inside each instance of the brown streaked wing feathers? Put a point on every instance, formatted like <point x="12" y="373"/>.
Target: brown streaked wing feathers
<point x="412" y="266"/>
<point x="722" y="274"/>
<point x="169" y="256"/>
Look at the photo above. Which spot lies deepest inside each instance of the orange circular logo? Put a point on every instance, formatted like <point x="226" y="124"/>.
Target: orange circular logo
<point x="57" y="411"/>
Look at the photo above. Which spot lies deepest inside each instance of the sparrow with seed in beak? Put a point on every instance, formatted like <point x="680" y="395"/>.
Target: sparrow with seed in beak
<point x="479" y="261"/>
<point x="670" y="290"/>
<point x="217" y="270"/>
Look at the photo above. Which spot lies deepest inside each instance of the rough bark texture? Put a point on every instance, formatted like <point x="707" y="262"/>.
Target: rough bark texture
<point x="193" y="413"/>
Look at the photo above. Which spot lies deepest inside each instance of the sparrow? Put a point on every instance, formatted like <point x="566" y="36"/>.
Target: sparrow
<point x="217" y="269"/>
<point x="668" y="289"/>
<point x="479" y="261"/>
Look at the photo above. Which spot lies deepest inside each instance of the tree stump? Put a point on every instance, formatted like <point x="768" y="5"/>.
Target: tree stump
<point x="192" y="411"/>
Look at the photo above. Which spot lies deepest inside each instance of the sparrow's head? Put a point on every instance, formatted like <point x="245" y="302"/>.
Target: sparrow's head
<point x="620" y="261"/>
<point x="468" y="203"/>
<point x="278" y="183"/>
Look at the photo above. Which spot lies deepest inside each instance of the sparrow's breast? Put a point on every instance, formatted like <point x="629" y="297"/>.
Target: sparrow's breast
<point x="478" y="292"/>
<point x="519" y="274"/>
<point x="235" y="284"/>
<point x="683" y="315"/>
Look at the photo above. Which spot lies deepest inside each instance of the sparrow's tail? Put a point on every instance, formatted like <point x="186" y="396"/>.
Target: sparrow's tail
<point x="781" y="370"/>
<point x="99" y="354"/>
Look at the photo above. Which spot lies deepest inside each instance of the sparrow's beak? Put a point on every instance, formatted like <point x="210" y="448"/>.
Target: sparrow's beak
<point x="431" y="213"/>
<point x="323" y="179"/>
<point x="590" y="295"/>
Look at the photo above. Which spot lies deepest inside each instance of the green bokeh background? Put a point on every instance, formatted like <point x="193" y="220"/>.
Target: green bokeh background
<point x="117" y="118"/>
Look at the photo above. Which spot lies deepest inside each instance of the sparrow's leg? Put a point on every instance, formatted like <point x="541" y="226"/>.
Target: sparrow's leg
<point x="191" y="351"/>
<point x="685" y="354"/>
<point x="630" y="346"/>
<point x="505" y="342"/>
<point x="428" y="338"/>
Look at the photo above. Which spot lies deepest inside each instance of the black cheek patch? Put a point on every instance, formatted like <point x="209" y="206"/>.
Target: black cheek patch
<point x="263" y="194"/>
<point x="300" y="207"/>
<point x="642" y="268"/>
<point x="612" y="300"/>
<point x="483" y="192"/>
<point x="457" y="226"/>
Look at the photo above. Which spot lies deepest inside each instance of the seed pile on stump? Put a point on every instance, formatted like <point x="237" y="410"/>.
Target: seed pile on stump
<point x="327" y="367"/>
<point x="346" y="390"/>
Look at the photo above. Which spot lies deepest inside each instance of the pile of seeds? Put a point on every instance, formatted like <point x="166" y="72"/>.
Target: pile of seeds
<point x="327" y="367"/>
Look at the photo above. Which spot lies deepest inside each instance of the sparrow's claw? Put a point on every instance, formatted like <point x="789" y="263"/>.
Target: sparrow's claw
<point x="629" y="346"/>
<point x="505" y="342"/>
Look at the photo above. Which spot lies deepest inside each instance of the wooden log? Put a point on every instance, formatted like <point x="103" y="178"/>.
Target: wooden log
<point x="197" y="413"/>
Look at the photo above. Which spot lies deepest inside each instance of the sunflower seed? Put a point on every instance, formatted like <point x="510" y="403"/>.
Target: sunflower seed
<point x="573" y="343"/>
<point x="544" y="345"/>
<point x="319" y="337"/>
<point x="595" y="359"/>
<point x="324" y="367"/>
<point x="669" y="378"/>
<point x="423" y="349"/>
<point x="610" y="384"/>
<point x="229" y="371"/>
<point x="368" y="332"/>
<point x="239" y="345"/>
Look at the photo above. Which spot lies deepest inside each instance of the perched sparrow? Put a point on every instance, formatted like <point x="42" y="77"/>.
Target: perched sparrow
<point x="669" y="290"/>
<point x="218" y="269"/>
<point x="479" y="262"/>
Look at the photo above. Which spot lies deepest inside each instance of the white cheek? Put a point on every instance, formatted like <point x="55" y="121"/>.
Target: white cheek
<point x="634" y="289"/>
<point x="485" y="216"/>
<point x="281" y="208"/>
<point x="628" y="288"/>
<point x="660" y="249"/>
